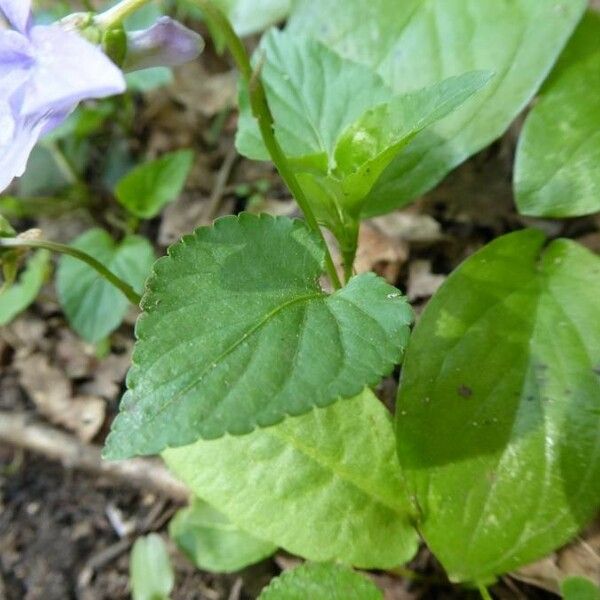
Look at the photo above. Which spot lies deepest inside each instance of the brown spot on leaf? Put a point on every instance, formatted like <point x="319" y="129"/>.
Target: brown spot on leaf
<point x="465" y="391"/>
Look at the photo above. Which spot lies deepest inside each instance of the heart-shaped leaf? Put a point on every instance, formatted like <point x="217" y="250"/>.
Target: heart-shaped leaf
<point x="321" y="582"/>
<point x="93" y="306"/>
<point x="414" y="43"/>
<point x="212" y="542"/>
<point x="557" y="170"/>
<point x="498" y="416"/>
<point x="325" y="486"/>
<point x="237" y="334"/>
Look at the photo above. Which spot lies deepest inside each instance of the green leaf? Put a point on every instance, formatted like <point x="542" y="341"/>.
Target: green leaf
<point x="149" y="79"/>
<point x="370" y="144"/>
<point x="253" y="16"/>
<point x="498" y="411"/>
<point x="147" y="188"/>
<point x="6" y="229"/>
<point x="93" y="306"/>
<point x="579" y="588"/>
<point x="20" y="295"/>
<point x="150" y="571"/>
<point x="213" y="543"/>
<point x="325" y="486"/>
<point x="314" y="96"/>
<point x="321" y="582"/>
<point x="338" y="121"/>
<point x="558" y="160"/>
<point x="415" y="43"/>
<point x="237" y="334"/>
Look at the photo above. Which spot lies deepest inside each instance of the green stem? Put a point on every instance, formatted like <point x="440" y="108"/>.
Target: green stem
<point x="115" y="15"/>
<point x="348" y="246"/>
<point x="485" y="594"/>
<point x="124" y="287"/>
<point x="63" y="163"/>
<point x="262" y="113"/>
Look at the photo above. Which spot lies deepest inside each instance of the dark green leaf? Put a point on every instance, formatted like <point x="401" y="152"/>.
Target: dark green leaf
<point x="321" y="582"/>
<point x="146" y="189"/>
<point x="498" y="416"/>
<point x="325" y="486"/>
<point x="413" y="44"/>
<point x="22" y="293"/>
<point x="93" y="306"/>
<point x="579" y="588"/>
<point x="558" y="160"/>
<point x="151" y="575"/>
<point x="237" y="334"/>
<point x="212" y="542"/>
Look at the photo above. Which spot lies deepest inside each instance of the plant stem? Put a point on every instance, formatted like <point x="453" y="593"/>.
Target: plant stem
<point x="485" y="594"/>
<point x="119" y="12"/>
<point x="262" y="113"/>
<point x="121" y="285"/>
<point x="63" y="163"/>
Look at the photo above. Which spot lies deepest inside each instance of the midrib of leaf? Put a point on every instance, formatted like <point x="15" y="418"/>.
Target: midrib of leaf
<point x="334" y="468"/>
<point x="214" y="363"/>
<point x="450" y="351"/>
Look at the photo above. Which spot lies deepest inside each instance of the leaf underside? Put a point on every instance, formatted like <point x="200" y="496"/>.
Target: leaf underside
<point x="325" y="486"/>
<point x="498" y="415"/>
<point x="212" y="542"/>
<point x="237" y="334"/>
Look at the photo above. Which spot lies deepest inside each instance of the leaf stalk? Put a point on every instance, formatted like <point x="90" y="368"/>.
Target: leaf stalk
<point x="262" y="113"/>
<point x="107" y="274"/>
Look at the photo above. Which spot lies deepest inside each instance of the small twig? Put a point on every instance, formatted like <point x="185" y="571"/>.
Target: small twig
<point x="18" y="429"/>
<point x="236" y="589"/>
<point x="221" y="180"/>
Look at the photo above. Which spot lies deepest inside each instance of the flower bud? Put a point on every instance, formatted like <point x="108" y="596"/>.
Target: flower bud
<point x="167" y="43"/>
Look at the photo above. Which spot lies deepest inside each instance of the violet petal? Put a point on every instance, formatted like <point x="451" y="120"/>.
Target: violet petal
<point x="68" y="69"/>
<point x="16" y="143"/>
<point x="167" y="43"/>
<point x="18" y="13"/>
<point x="15" y="61"/>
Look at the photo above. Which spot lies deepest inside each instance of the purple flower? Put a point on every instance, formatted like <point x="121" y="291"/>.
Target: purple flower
<point x="167" y="43"/>
<point x="45" y="71"/>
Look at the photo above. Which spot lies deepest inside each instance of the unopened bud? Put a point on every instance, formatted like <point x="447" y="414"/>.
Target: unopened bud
<point x="167" y="43"/>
